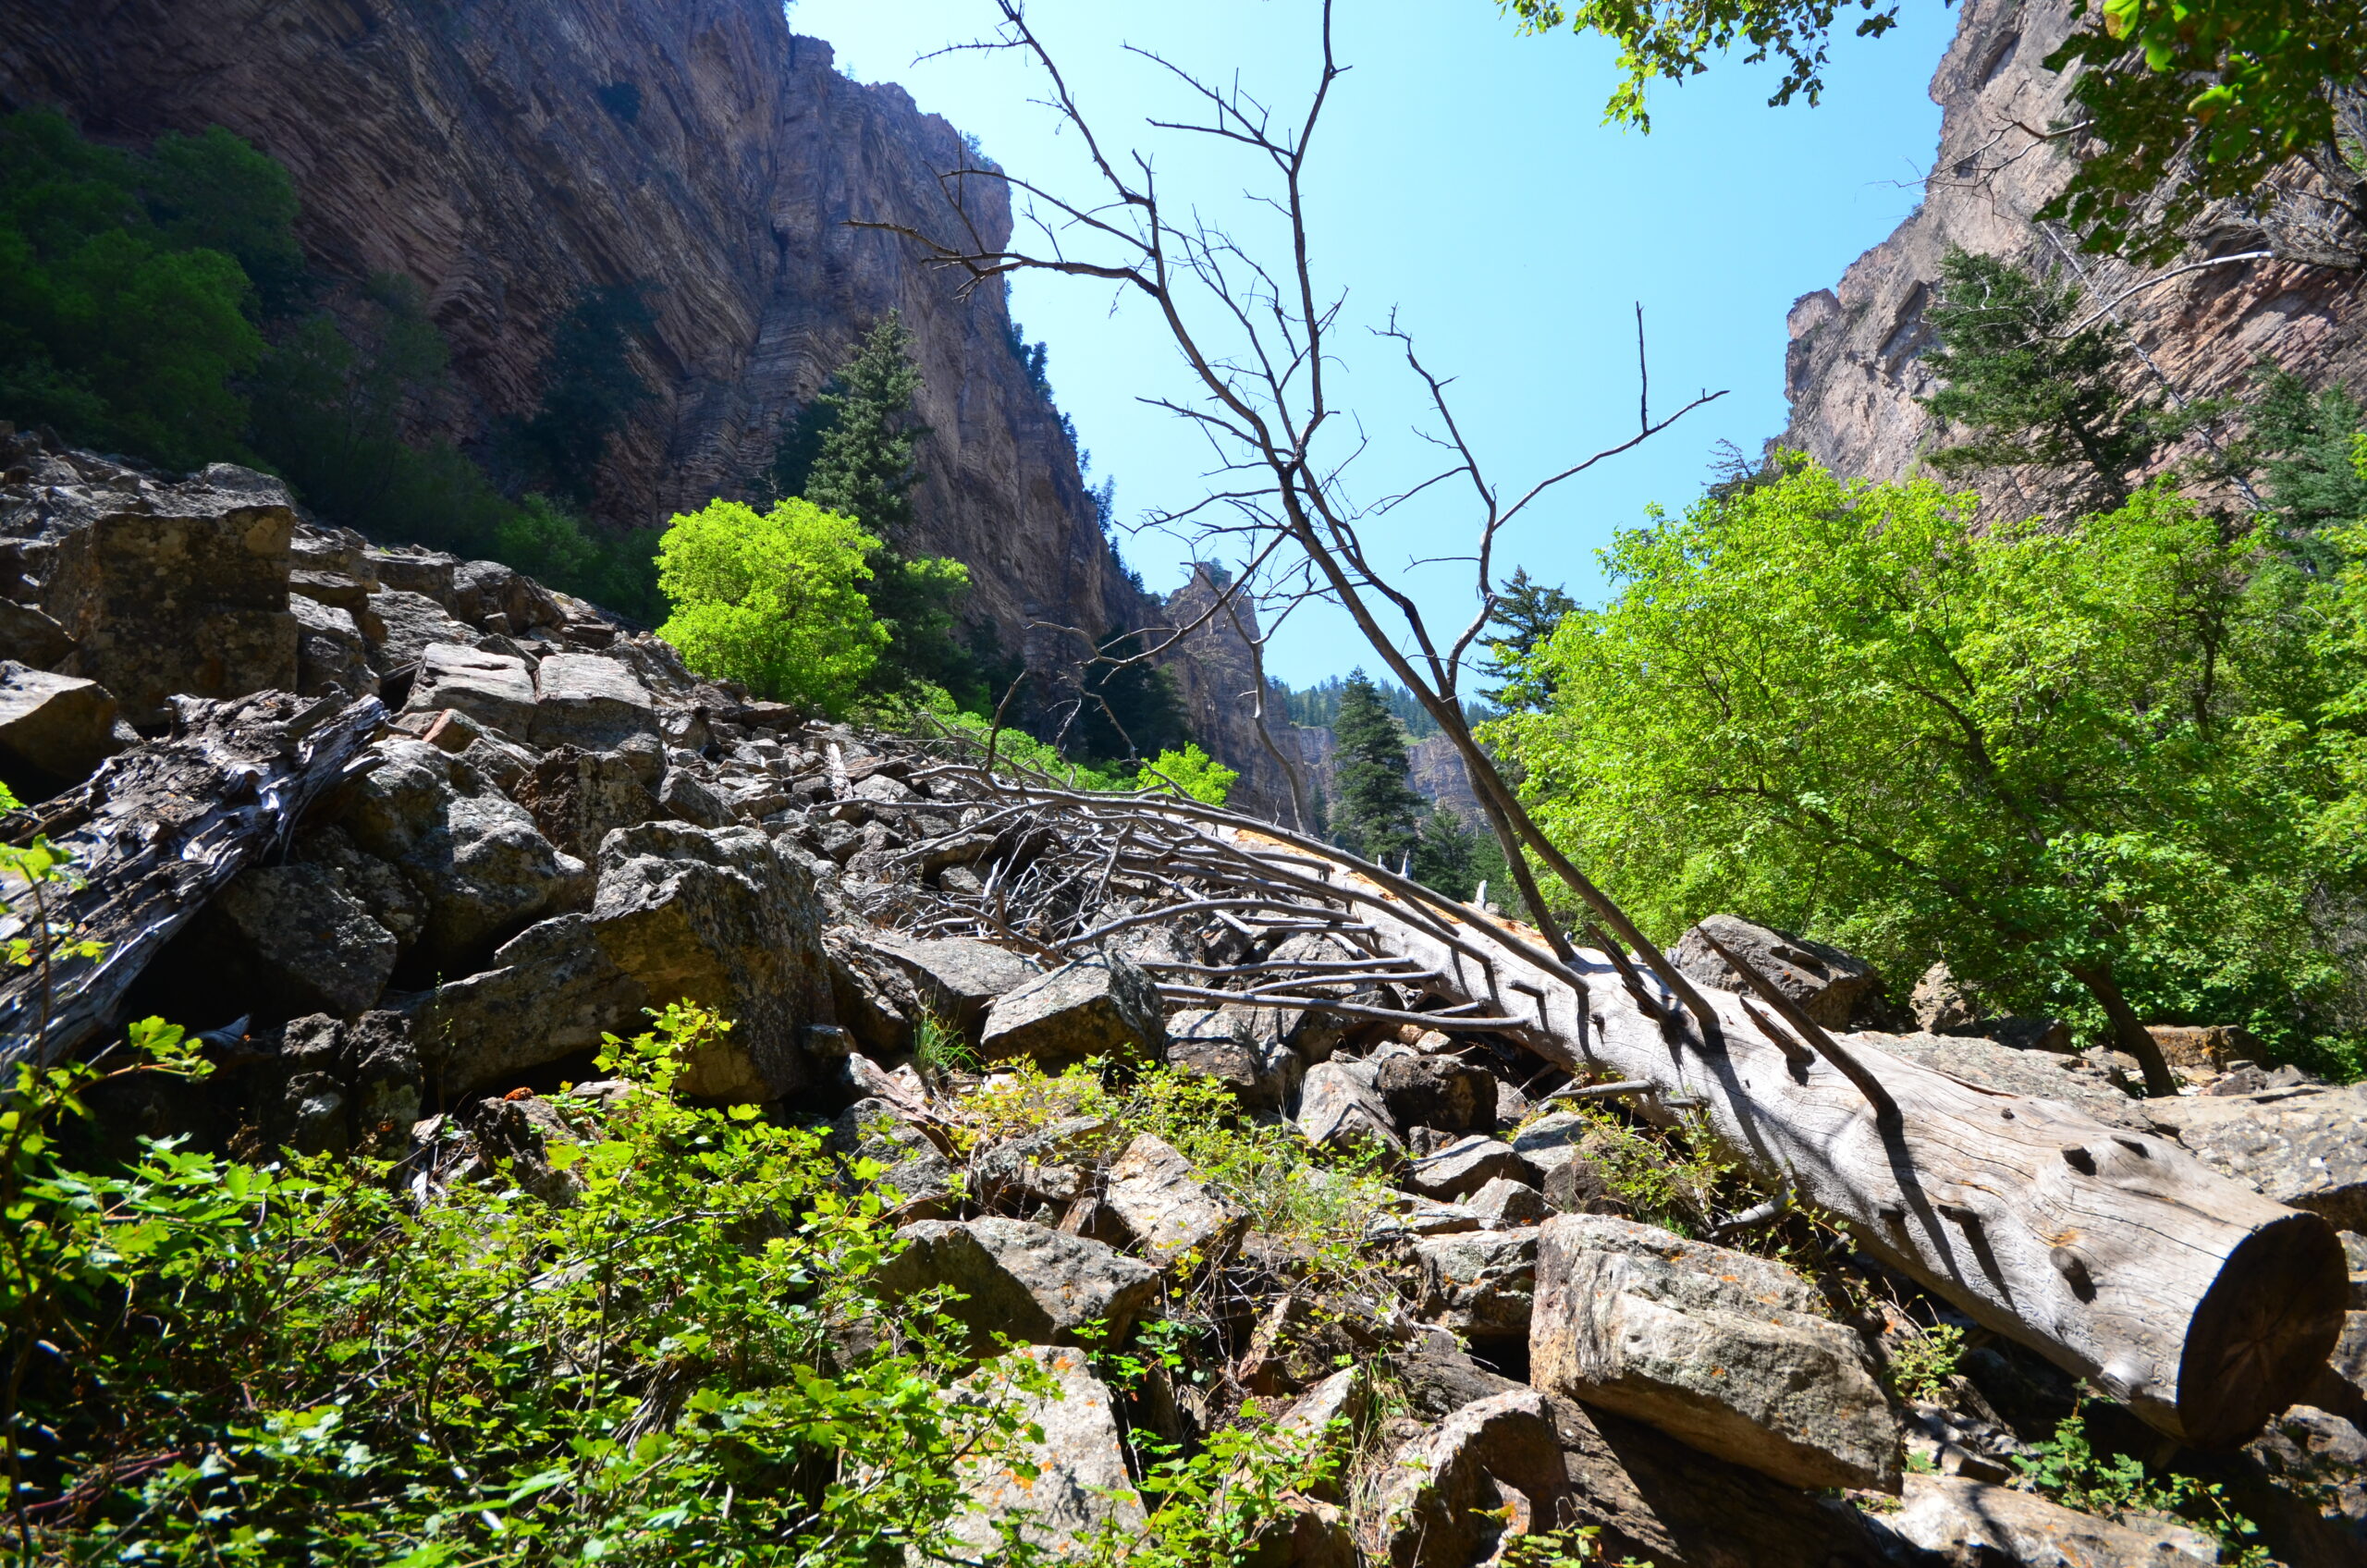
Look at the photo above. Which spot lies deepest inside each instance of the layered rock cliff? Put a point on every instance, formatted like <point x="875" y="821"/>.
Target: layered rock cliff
<point x="1853" y="369"/>
<point x="511" y="158"/>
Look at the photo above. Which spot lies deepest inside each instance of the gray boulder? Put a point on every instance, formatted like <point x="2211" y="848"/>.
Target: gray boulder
<point x="1719" y="1349"/>
<point x="1440" y="1091"/>
<point x="1467" y="1165"/>
<point x="1504" y="1204"/>
<point x="495" y="690"/>
<point x="915" y="1178"/>
<point x="1490" y="1470"/>
<point x="502" y="599"/>
<point x="1167" y="1208"/>
<point x="956" y="977"/>
<point x="578" y="798"/>
<point x="476" y="858"/>
<point x="1236" y="1047"/>
<point x="294" y="941"/>
<point x="54" y="730"/>
<point x="1033" y="1285"/>
<point x="410" y="569"/>
<point x="1073" y="1487"/>
<point x="408" y="624"/>
<point x="688" y="798"/>
<point x="330" y="652"/>
<point x="1968" y="1523"/>
<point x="1339" y="1109"/>
<point x="1828" y="984"/>
<point x="718" y="917"/>
<point x="598" y="704"/>
<point x="2306" y="1146"/>
<point x="1480" y="1284"/>
<point x="30" y="637"/>
<point x="1099" y="1006"/>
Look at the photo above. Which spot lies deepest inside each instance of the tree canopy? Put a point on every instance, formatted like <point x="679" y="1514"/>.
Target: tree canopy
<point x="2093" y="768"/>
<point x="772" y="599"/>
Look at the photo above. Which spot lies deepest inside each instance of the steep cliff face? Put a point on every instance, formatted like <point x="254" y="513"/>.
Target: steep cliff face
<point x="1853" y="369"/>
<point x="510" y="157"/>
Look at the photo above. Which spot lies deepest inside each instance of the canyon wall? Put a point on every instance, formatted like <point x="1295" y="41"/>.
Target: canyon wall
<point x="1854" y="368"/>
<point x="510" y="157"/>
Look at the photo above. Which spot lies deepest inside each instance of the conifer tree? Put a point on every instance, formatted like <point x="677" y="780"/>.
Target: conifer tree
<point x="1379" y="815"/>
<point x="1526" y="613"/>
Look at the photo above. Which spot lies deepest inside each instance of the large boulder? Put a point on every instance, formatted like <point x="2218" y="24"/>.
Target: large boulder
<point x="496" y="689"/>
<point x="54" y="730"/>
<point x="188" y="598"/>
<point x="1103" y="1005"/>
<point x="1066" y="1490"/>
<point x="598" y="704"/>
<point x="1968" y="1523"/>
<point x="475" y="857"/>
<point x="1165" y="1205"/>
<point x="1723" y="1349"/>
<point x="2306" y="1146"/>
<point x="331" y="654"/>
<point x="1480" y="1284"/>
<point x="1340" y="1108"/>
<point x="715" y="916"/>
<point x="1238" y="1047"/>
<point x="408" y="624"/>
<point x="1035" y="1285"/>
<point x="1492" y="1469"/>
<point x="955" y="978"/>
<point x="1440" y="1091"/>
<point x="294" y="941"/>
<point x="578" y="798"/>
<point x="1467" y="1165"/>
<point x="1828" y="984"/>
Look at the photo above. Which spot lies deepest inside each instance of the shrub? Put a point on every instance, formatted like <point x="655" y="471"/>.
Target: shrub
<point x="1193" y="772"/>
<point x="771" y="599"/>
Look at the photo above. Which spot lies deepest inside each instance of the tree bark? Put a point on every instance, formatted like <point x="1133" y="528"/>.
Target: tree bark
<point x="154" y="834"/>
<point x="2131" y="1034"/>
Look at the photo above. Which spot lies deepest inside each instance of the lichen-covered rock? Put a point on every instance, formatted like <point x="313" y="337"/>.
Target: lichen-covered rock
<point x="1504" y="1204"/>
<point x="1491" y="1470"/>
<point x="1968" y="1523"/>
<point x="1467" y="1165"/>
<point x="293" y="938"/>
<point x="408" y="625"/>
<point x="1480" y="1284"/>
<point x="1023" y="1280"/>
<point x="1075" y="1486"/>
<point x="54" y="730"/>
<point x="1340" y="1108"/>
<point x="687" y="798"/>
<point x="956" y="977"/>
<point x="1439" y="1092"/>
<point x="1237" y="1047"/>
<point x="1829" y="984"/>
<point x="1099" y="1006"/>
<point x="1166" y="1207"/>
<point x="331" y="654"/>
<point x="598" y="704"/>
<point x="924" y="1184"/>
<point x="1723" y="1349"/>
<point x="2303" y="1146"/>
<point x="496" y="689"/>
<point x="578" y="798"/>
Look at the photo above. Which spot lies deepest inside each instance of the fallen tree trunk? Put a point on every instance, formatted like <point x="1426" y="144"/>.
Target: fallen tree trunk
<point x="153" y="835"/>
<point x="2202" y="1304"/>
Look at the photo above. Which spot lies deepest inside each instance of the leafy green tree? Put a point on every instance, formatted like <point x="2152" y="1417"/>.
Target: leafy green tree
<point x="1526" y="614"/>
<point x="2035" y="383"/>
<point x="122" y="331"/>
<point x="1194" y="772"/>
<point x="214" y="192"/>
<point x="2214" y="92"/>
<point x="772" y="599"/>
<point x="1378" y="814"/>
<point x="2081" y="765"/>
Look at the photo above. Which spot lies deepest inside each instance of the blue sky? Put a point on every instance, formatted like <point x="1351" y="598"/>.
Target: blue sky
<point x="1465" y="180"/>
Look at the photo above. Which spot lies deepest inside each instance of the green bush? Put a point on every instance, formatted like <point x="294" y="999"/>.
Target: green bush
<point x="217" y="1362"/>
<point x="772" y="599"/>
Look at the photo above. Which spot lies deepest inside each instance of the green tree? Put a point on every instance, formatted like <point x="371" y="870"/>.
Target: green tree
<point x="2034" y="384"/>
<point x="1378" y="814"/>
<point x="772" y="599"/>
<point x="1128" y="710"/>
<point x="589" y="389"/>
<point x="2214" y="92"/>
<point x="2302" y="445"/>
<point x="1194" y="772"/>
<point x="2081" y="765"/>
<point x="1526" y="614"/>
<point x="863" y="459"/>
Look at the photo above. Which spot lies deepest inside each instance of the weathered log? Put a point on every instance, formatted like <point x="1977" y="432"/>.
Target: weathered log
<point x="153" y="834"/>
<point x="2202" y="1304"/>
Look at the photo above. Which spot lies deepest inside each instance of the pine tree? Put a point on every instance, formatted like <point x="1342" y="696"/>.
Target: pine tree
<point x="1379" y="815"/>
<point x="863" y="458"/>
<point x="1528" y="612"/>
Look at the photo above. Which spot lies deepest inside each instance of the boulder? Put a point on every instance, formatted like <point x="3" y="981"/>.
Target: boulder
<point x="409" y="569"/>
<point x="297" y="942"/>
<point x="408" y="625"/>
<point x="385" y="893"/>
<point x="30" y="637"/>
<point x="495" y="690"/>
<point x="687" y="798"/>
<point x="1073" y="1487"/>
<point x="1237" y="1047"/>
<point x="956" y="977"/>
<point x="327" y="1084"/>
<point x="187" y="599"/>
<point x="1099" y="1006"/>
<point x="1828" y="984"/>
<point x="482" y="869"/>
<point x="1504" y="1204"/>
<point x="1722" y="1349"/>
<point x="501" y="599"/>
<point x="578" y="798"/>
<point x="1941" y="1005"/>
<point x="1968" y="1523"/>
<point x="2302" y="1146"/>
<point x="923" y="1183"/>
<point x="2205" y="1049"/>
<point x="1442" y="1092"/>
<point x="1165" y="1206"/>
<point x="1480" y="1284"/>
<point x="1340" y="1108"/>
<point x="1492" y="1469"/>
<point x="1462" y="1168"/>
<point x="715" y="916"/>
<point x="1025" y="1282"/>
<point x="598" y="704"/>
<point x="54" y="730"/>
<point x="330" y="652"/>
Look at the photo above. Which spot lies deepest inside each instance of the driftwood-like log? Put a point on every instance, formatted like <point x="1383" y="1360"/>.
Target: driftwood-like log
<point x="154" y="834"/>
<point x="2202" y="1304"/>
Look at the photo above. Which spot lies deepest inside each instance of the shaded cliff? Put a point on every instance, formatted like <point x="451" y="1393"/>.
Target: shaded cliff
<point x="1854" y="368"/>
<point x="511" y="158"/>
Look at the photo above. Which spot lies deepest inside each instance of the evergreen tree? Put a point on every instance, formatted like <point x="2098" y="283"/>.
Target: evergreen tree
<point x="589" y="390"/>
<point x="1129" y="711"/>
<point x="2305" y="448"/>
<point x="1528" y="612"/>
<point x="1378" y="814"/>
<point x="2029" y="388"/>
<point x="863" y="457"/>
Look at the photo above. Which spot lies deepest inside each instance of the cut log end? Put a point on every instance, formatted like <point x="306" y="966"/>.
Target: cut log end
<point x="2264" y="1332"/>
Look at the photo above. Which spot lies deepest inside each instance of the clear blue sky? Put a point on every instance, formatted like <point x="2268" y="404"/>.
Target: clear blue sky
<point x="1463" y="178"/>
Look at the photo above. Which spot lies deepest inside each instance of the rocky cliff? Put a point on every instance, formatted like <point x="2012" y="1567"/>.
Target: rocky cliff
<point x="1853" y="369"/>
<point x="510" y="158"/>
